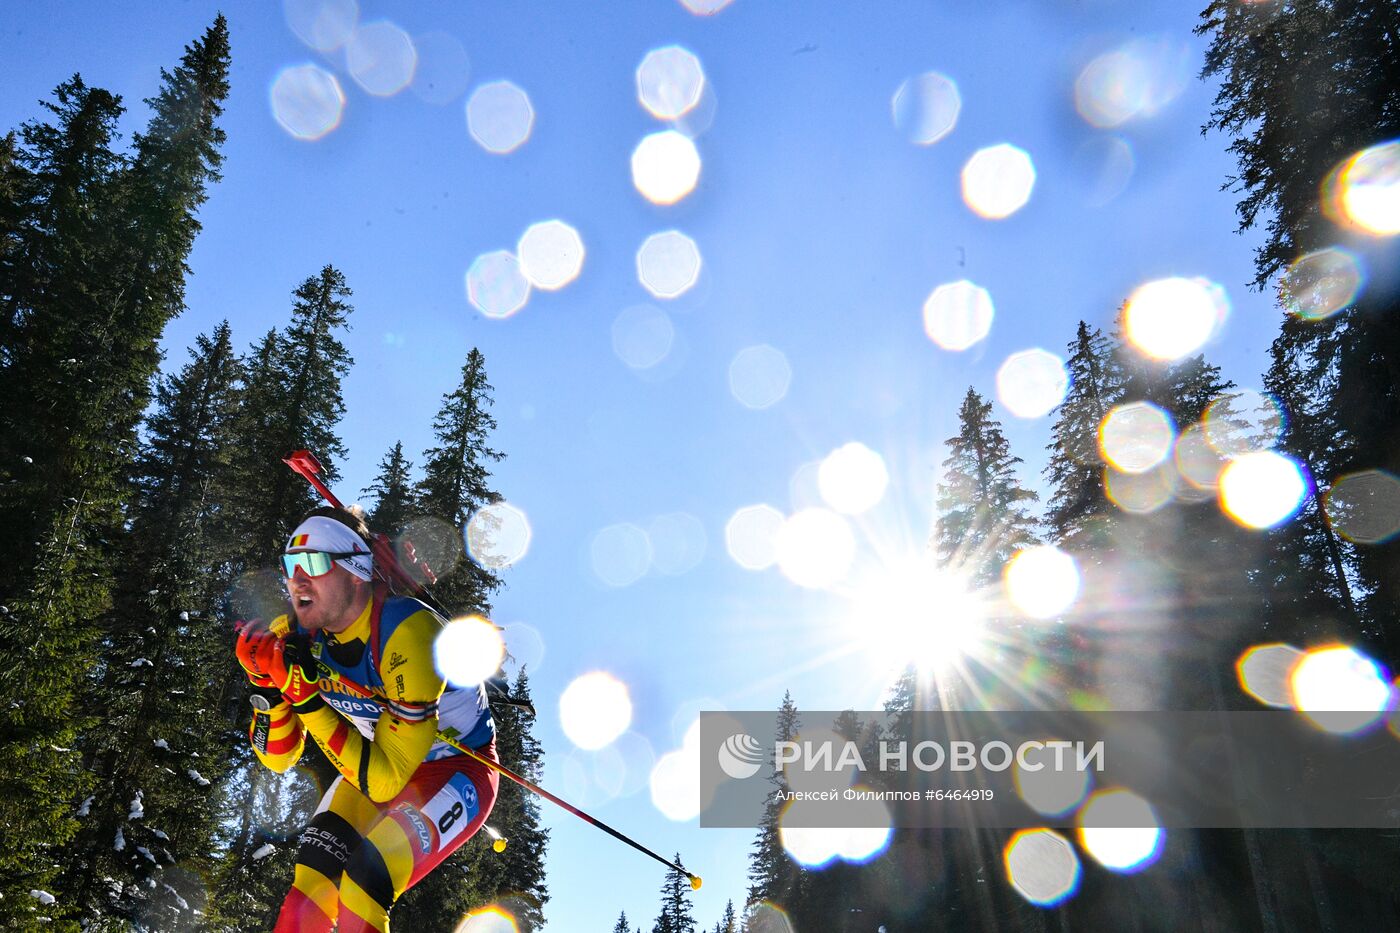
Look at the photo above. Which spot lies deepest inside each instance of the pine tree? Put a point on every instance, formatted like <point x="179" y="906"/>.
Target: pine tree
<point x="1078" y="508"/>
<point x="982" y="517"/>
<point x="728" y="921"/>
<point x="772" y="875"/>
<point x="102" y="241"/>
<point x="161" y="738"/>
<point x="675" y="916"/>
<point x="393" y="493"/>
<point x="455" y="481"/>
<point x="621" y="925"/>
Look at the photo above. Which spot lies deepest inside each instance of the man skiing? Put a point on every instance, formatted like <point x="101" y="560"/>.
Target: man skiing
<point x="406" y="796"/>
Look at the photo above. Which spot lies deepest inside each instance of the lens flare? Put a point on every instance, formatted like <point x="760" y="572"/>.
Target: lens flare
<point x="997" y="181"/>
<point x="324" y="25"/>
<point x="1135" y="437"/>
<point x="925" y="107"/>
<point x="1243" y="422"/>
<point x="1262" y="489"/>
<point x="621" y="554"/>
<point x="1320" y="284"/>
<point x="705" y="7"/>
<point x="381" y="58"/>
<point x="498" y="535"/>
<point x="307" y="101"/>
<point x="678" y="542"/>
<point x="675" y="781"/>
<point x="1135" y="80"/>
<point x="443" y="70"/>
<point x="915" y="612"/>
<point x="496" y="286"/>
<point x="526" y="645"/>
<point x="1042" y="581"/>
<point x="668" y="264"/>
<point x="434" y="542"/>
<point x="642" y="336"/>
<point x="1032" y="382"/>
<point x="958" y="315"/>
<point x="1266" y="671"/>
<point x="1120" y="830"/>
<point x="751" y="536"/>
<point x="1041" y="866"/>
<point x="1138" y="493"/>
<point x="487" y="920"/>
<point x="468" y="651"/>
<point x="1106" y="165"/>
<point x="1049" y="790"/>
<point x="670" y="82"/>
<point x="1168" y="319"/>
<point x="1363" y="193"/>
<point x="595" y="709"/>
<point x="499" y="117"/>
<point x="1196" y="461"/>
<point x="759" y="376"/>
<point x="815" y="548"/>
<point x="1365" y="507"/>
<point x="551" y="254"/>
<point x="665" y="167"/>
<point x="764" y="917"/>
<point x="853" y="479"/>
<point x="1340" y="689"/>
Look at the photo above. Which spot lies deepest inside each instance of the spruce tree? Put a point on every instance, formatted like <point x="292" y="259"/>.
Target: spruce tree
<point x="1078" y="508"/>
<point x="728" y="921"/>
<point x="621" y="925"/>
<point x="456" y="481"/>
<point x="675" y="915"/>
<point x="773" y="876"/>
<point x="982" y="517"/>
<point x="393" y="493"/>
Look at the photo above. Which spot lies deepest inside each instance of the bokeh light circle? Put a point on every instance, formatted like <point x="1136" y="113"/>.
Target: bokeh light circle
<point x="1167" y="319"/>
<point x="1042" y="581"/>
<point x="1364" y="192"/>
<point x="675" y="780"/>
<point x="488" y="920"/>
<point x="678" y="542"/>
<point x="621" y="554"/>
<point x="1120" y="830"/>
<point x="551" y="254"/>
<point x="1265" y="672"/>
<point x="1365" y="507"/>
<point x="1262" y="489"/>
<point x="853" y="479"/>
<point x="1032" y="382"/>
<point x="759" y="376"/>
<point x="324" y="25"/>
<point x="751" y="536"/>
<point x="500" y="117"/>
<point x="925" y="107"/>
<point x="997" y="181"/>
<point x="705" y="7"/>
<point x="1340" y="689"/>
<point x="1243" y="421"/>
<point x="467" y="651"/>
<point x="1319" y="284"/>
<point x="307" y="101"/>
<point x="1135" y="437"/>
<point x="594" y="709"/>
<point x="958" y="315"/>
<point x="670" y="81"/>
<point x="1139" y="493"/>
<point x="642" y="336"/>
<point x="498" y="535"/>
<point x="1042" y="866"/>
<point x="1135" y="80"/>
<point x="668" y="264"/>
<point x="444" y="70"/>
<point x="496" y="286"/>
<point x="815" y="548"/>
<point x="1047" y="789"/>
<point x="665" y="167"/>
<point x="381" y="58"/>
<point x="1196" y="461"/>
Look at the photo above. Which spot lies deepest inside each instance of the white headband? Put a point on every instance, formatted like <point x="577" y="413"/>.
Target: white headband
<point x="319" y="533"/>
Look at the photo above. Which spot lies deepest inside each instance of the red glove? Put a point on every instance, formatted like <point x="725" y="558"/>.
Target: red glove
<point x="257" y="650"/>
<point x="294" y="673"/>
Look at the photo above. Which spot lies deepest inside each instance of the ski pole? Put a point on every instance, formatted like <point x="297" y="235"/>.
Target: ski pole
<point x="336" y="677"/>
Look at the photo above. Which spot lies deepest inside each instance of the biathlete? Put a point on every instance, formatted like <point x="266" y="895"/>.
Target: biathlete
<point x="405" y="799"/>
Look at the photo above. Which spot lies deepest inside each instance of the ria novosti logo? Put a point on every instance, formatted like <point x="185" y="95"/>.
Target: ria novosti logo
<point x="741" y="756"/>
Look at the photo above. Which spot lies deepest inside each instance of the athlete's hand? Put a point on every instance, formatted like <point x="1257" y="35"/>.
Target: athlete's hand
<point x="256" y="649"/>
<point x="294" y="673"/>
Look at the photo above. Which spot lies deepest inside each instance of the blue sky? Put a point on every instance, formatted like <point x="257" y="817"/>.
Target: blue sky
<point x="822" y="230"/>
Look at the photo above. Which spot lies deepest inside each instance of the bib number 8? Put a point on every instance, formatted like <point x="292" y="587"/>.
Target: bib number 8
<point x="450" y="817"/>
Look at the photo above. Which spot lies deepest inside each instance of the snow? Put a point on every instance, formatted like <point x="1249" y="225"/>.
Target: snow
<point x="263" y="851"/>
<point x="198" y="778"/>
<point x="137" y="810"/>
<point x="147" y="853"/>
<point x="60" y="749"/>
<point x="86" y="808"/>
<point x="142" y="662"/>
<point x="161" y="743"/>
<point x="160" y="835"/>
<point x="120" y="844"/>
<point x="43" y="897"/>
<point x="184" y="905"/>
<point x="184" y="617"/>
